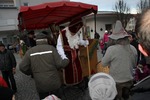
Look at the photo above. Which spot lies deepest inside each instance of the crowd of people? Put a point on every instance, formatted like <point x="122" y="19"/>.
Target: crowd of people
<point x="53" y="66"/>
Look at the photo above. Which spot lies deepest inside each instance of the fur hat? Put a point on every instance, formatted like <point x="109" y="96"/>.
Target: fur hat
<point x="75" y="25"/>
<point x="118" y="31"/>
<point x="102" y="87"/>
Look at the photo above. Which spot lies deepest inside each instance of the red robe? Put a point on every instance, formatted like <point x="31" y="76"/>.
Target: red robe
<point x="72" y="72"/>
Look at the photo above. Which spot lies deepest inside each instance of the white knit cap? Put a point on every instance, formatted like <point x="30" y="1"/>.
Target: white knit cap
<point x="102" y="87"/>
<point x="51" y="97"/>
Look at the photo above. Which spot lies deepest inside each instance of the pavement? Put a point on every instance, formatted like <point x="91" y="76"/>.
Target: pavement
<point x="25" y="84"/>
<point x="27" y="91"/>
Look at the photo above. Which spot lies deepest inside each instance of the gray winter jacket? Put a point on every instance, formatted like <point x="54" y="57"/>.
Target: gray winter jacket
<point x="43" y="61"/>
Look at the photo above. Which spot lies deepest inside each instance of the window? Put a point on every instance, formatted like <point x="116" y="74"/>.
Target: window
<point x="108" y="27"/>
<point x="6" y="5"/>
<point x="4" y="40"/>
<point x="25" y="4"/>
<point x="87" y="31"/>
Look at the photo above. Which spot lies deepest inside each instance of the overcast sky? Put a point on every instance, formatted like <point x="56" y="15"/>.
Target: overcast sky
<point x="108" y="5"/>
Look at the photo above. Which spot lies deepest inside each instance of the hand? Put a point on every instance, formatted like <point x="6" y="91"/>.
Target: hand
<point x="87" y="42"/>
<point x="14" y="70"/>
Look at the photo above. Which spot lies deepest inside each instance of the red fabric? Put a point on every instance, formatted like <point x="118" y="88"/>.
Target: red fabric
<point x="72" y="72"/>
<point x="101" y="44"/>
<point x="106" y="38"/>
<point x="41" y="16"/>
<point x="139" y="76"/>
<point x="2" y="82"/>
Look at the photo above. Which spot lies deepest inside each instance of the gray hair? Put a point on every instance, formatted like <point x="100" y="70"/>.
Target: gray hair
<point x="122" y="41"/>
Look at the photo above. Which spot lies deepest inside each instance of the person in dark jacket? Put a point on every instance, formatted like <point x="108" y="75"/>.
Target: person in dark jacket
<point x="6" y="93"/>
<point x="30" y="40"/>
<point x="141" y="90"/>
<point x="8" y="66"/>
<point x="44" y="62"/>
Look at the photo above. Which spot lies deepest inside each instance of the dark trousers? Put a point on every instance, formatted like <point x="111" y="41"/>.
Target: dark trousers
<point x="8" y="76"/>
<point x="124" y="90"/>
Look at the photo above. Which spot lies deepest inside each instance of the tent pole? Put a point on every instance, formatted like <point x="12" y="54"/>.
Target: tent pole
<point x="95" y="21"/>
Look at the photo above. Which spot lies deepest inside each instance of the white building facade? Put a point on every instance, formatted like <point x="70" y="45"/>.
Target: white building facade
<point x="8" y="17"/>
<point x="9" y="9"/>
<point x="105" y="20"/>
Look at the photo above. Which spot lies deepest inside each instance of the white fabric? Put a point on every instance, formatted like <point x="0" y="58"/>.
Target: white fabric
<point x="60" y="49"/>
<point x="84" y="42"/>
<point x="21" y="42"/>
<point x="51" y="97"/>
<point x="75" y="40"/>
<point x="106" y="31"/>
<point x="102" y="87"/>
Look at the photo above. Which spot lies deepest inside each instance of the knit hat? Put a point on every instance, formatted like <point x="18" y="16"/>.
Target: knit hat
<point x="75" y="25"/>
<point x="102" y="87"/>
<point x="41" y="35"/>
<point x="118" y="31"/>
<point x="51" y="97"/>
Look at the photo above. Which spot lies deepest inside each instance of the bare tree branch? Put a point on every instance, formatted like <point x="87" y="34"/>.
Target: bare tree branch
<point x="142" y="5"/>
<point x="123" y="12"/>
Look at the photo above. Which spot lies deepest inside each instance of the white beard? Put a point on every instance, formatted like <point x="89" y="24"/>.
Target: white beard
<point x="73" y="40"/>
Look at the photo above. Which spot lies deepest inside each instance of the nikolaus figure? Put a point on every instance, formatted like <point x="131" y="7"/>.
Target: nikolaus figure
<point x="70" y="40"/>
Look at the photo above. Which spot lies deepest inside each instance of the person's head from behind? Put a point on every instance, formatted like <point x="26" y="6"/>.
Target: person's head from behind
<point x="41" y="38"/>
<point x="118" y="31"/>
<point x="143" y="32"/>
<point x="31" y="34"/>
<point x="102" y="87"/>
<point x="106" y="32"/>
<point x="2" y="47"/>
<point x="119" y="35"/>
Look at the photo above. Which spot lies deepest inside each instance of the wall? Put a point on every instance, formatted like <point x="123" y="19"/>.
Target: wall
<point x="90" y="23"/>
<point x="101" y="21"/>
<point x="9" y="15"/>
<point x="8" y="19"/>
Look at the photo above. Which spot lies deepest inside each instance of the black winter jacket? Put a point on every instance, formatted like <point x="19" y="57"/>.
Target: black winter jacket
<point x="141" y="91"/>
<point x="7" y="60"/>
